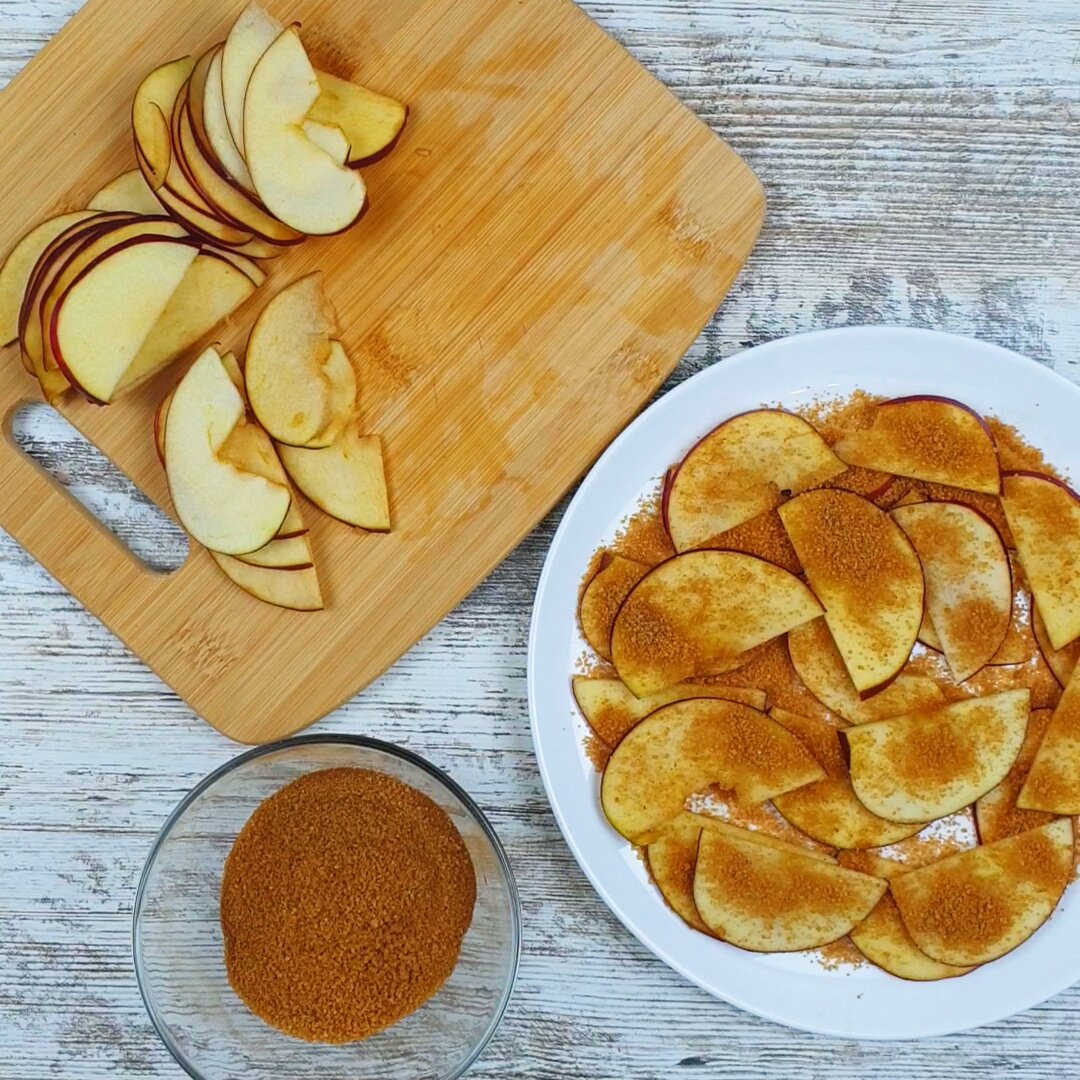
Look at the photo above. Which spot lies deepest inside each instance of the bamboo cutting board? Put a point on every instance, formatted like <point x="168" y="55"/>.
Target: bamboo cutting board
<point x="551" y="233"/>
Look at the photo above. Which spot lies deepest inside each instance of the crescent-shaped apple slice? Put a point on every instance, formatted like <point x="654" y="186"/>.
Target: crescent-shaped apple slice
<point x="744" y="468"/>
<point x="697" y="613"/>
<point x="690" y="746"/>
<point x="864" y="570"/>
<point x="996" y="813"/>
<point x="768" y="899"/>
<point x="922" y="766"/>
<point x="969" y="590"/>
<point x="976" y="906"/>
<point x="1053" y="782"/>
<point x="672" y="857"/>
<point x="1062" y="662"/>
<point x="927" y="438"/>
<point x="602" y="598"/>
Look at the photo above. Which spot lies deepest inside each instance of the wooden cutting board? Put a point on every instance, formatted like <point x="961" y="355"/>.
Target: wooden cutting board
<point x="550" y="235"/>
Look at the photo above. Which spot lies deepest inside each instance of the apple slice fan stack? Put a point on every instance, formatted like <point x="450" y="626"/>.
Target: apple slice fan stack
<point x="241" y="153"/>
<point x="905" y="528"/>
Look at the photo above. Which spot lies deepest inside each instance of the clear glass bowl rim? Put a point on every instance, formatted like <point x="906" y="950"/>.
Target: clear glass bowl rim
<point x="366" y="743"/>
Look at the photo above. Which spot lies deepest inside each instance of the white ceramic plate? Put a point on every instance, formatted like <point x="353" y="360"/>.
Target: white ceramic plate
<point x="788" y="988"/>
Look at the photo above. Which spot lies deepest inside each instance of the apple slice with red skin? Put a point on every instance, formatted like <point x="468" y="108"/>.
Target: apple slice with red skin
<point x="346" y="480"/>
<point x="865" y="572"/>
<point x="969" y="589"/>
<point x="1044" y="516"/>
<point x="150" y="112"/>
<point x="294" y="587"/>
<point x="927" y="438"/>
<point x="1019" y="645"/>
<point x="297" y="181"/>
<point x="926" y="765"/>
<point x="701" y="609"/>
<point x="819" y="665"/>
<point x="211" y="125"/>
<point x="372" y="123"/>
<point x="741" y="469"/>
<point x="128" y="191"/>
<point x="602" y="598"/>
<point x="228" y="509"/>
<point x="253" y="32"/>
<point x="1053" y="781"/>
<point x="1014" y="884"/>
<point x="1062" y="662"/>
<point x="18" y="268"/>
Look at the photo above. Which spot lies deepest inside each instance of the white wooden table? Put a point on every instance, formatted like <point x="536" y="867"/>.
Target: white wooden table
<point x="922" y="161"/>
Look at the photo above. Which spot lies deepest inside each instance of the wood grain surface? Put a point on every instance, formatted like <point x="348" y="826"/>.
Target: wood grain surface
<point x="922" y="166"/>
<point x="553" y="226"/>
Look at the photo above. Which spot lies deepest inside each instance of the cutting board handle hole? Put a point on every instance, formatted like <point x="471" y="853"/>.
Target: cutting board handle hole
<point x="88" y="476"/>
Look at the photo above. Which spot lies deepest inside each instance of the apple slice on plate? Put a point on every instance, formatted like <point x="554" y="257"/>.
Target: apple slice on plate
<point x="298" y="182"/>
<point x="819" y="665"/>
<point x="767" y="899"/>
<point x="346" y="480"/>
<point x="213" y="287"/>
<point x="1020" y="644"/>
<point x="228" y="510"/>
<point x="828" y="811"/>
<point x="294" y="587"/>
<point x="611" y="710"/>
<point x="370" y="122"/>
<point x="689" y="746"/>
<point x="969" y="591"/>
<point x="19" y="266"/>
<point x="927" y="438"/>
<point x="978" y="905"/>
<point x="865" y="572"/>
<point x="996" y="813"/>
<point x="1044" y="516"/>
<point x="1053" y="781"/>
<point x="128" y="191"/>
<point x="101" y="320"/>
<point x="742" y="469"/>
<point x="924" y="765"/>
<point x="1062" y="662"/>
<point x="672" y="857"/>
<point x="694" y="613"/>
<point x="254" y="31"/>
<point x="602" y="598"/>
<point x="300" y="383"/>
<point x="882" y="937"/>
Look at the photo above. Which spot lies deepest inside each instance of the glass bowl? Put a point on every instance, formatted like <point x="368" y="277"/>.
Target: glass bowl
<point x="179" y="953"/>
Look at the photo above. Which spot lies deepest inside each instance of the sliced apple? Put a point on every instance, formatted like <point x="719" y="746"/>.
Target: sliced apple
<point x="228" y="510"/>
<point x="928" y="635"/>
<point x="819" y="665"/>
<point x="763" y="536"/>
<point x="978" y="905"/>
<point x="212" y="125"/>
<point x="828" y="811"/>
<point x="865" y="572"/>
<point x="969" y="591"/>
<point x="769" y="900"/>
<point x="611" y="710"/>
<point x="672" y="857"/>
<point x="210" y="291"/>
<point x="1062" y="662"/>
<point x="927" y="438"/>
<point x="371" y="122"/>
<point x="299" y="385"/>
<point x="882" y="937"/>
<point x="1019" y="645"/>
<point x="128" y="191"/>
<point x="1044" y="516"/>
<point x="744" y="468"/>
<point x="254" y="31"/>
<point x="1053" y="782"/>
<point x="329" y="138"/>
<point x="925" y="765"/>
<point x="19" y="266"/>
<point x="996" y="813"/>
<point x="101" y="321"/>
<point x="688" y="746"/>
<point x="346" y="480"/>
<point x="287" y="554"/>
<point x="602" y="598"/>
<point x="299" y="183"/>
<point x="296" y="587"/>
<point x="150" y="112"/>
<point x="690" y="615"/>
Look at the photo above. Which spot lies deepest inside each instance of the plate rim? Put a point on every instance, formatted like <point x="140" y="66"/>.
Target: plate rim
<point x="669" y="400"/>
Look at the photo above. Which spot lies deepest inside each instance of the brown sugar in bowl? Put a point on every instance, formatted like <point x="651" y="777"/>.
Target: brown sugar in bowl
<point x="432" y="1019"/>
